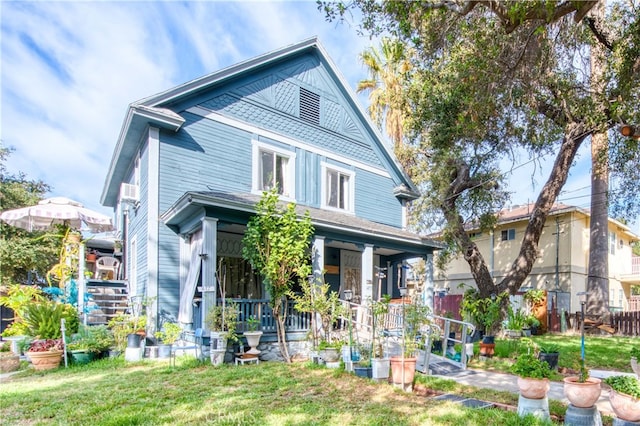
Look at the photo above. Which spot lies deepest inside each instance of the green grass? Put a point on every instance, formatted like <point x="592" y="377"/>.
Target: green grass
<point x="601" y="353"/>
<point x="110" y="392"/>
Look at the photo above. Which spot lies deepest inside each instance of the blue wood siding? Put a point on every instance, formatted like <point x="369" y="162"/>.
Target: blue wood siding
<point x="375" y="200"/>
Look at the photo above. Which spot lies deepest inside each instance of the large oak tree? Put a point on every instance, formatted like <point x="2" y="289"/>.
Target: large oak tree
<point x="490" y="79"/>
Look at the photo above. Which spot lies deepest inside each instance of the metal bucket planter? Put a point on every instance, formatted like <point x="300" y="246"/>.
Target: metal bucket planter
<point x="133" y="340"/>
<point x="380" y="368"/>
<point x="164" y="351"/>
<point x="82" y="357"/>
<point x="362" y="371"/>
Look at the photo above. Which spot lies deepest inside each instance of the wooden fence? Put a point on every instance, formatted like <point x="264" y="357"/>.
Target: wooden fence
<point x="620" y="323"/>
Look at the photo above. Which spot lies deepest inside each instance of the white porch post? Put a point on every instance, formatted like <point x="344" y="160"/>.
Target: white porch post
<point x="82" y="288"/>
<point x="367" y="273"/>
<point x="209" y="261"/>
<point x="427" y="292"/>
<point x="318" y="258"/>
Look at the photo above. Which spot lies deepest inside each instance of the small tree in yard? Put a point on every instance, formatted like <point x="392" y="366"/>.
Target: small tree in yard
<point x="276" y="244"/>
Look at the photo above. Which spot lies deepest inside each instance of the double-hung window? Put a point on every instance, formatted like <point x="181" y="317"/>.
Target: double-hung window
<point x="508" y="234"/>
<point x="337" y="188"/>
<point x="273" y="168"/>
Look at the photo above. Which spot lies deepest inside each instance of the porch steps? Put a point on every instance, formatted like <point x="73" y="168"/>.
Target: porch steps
<point x="107" y="298"/>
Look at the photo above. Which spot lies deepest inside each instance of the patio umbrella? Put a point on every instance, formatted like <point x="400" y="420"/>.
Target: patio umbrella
<point x="56" y="210"/>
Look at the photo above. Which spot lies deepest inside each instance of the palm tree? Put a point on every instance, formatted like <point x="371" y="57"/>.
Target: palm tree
<point x="387" y="70"/>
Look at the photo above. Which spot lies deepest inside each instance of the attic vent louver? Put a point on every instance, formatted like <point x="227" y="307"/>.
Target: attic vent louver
<point x="310" y="106"/>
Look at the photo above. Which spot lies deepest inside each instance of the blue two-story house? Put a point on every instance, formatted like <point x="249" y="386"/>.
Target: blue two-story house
<point x="191" y="163"/>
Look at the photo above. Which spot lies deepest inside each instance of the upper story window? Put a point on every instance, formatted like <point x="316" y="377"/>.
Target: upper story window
<point x="338" y="188"/>
<point x="273" y="168"/>
<point x="612" y="242"/>
<point x="508" y="234"/>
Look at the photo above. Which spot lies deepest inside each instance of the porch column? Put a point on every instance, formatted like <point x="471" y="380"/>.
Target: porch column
<point x="367" y="273"/>
<point x="317" y="258"/>
<point x="210" y="249"/>
<point x="427" y="291"/>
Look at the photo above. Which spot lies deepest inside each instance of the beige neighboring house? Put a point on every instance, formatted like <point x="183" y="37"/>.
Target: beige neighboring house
<point x="561" y="267"/>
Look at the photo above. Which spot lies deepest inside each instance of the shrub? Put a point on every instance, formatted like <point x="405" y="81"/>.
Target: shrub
<point x="628" y="385"/>
<point x="527" y="365"/>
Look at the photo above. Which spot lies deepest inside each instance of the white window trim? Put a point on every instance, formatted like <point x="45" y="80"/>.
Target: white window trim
<point x="255" y="168"/>
<point x="324" y="167"/>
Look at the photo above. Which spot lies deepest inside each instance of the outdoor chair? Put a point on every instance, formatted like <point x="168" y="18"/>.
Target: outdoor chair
<point x="196" y="345"/>
<point x="107" y="267"/>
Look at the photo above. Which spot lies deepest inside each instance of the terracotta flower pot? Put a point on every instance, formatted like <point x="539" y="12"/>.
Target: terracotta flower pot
<point x="533" y="388"/>
<point x="47" y="360"/>
<point x="625" y="406"/>
<point x="582" y="395"/>
<point x="409" y="369"/>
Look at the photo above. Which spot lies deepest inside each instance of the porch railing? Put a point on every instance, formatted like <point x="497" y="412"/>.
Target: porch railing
<point x="259" y="308"/>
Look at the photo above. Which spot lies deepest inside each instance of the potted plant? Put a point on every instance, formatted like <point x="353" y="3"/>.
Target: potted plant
<point x="533" y="376"/>
<point x="252" y="334"/>
<point x="89" y="343"/>
<point x="635" y="358"/>
<point x="531" y="324"/>
<point x="549" y="353"/>
<point x="515" y="323"/>
<point x="403" y="367"/>
<point x="363" y="367"/>
<point x="582" y="391"/>
<point x="486" y="313"/>
<point x="625" y="397"/>
<point x="166" y="338"/>
<point x="127" y="330"/>
<point x="43" y="320"/>
<point x="330" y="351"/>
<point x="9" y="361"/>
<point x="222" y="320"/>
<point x="379" y="363"/>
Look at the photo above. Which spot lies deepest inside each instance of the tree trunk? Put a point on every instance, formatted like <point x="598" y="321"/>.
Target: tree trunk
<point x="598" y="273"/>
<point x="281" y="331"/>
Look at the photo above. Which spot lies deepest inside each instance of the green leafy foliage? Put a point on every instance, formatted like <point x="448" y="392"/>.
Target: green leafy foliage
<point x="95" y="338"/>
<point x="276" y="243"/>
<point x="527" y="365"/>
<point x="224" y="318"/>
<point x="628" y="385"/>
<point x="20" y="251"/>
<point x="43" y="319"/>
<point x="170" y="333"/>
<point x="484" y="311"/>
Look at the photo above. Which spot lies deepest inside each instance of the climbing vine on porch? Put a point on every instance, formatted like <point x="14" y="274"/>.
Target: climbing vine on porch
<point x="276" y="243"/>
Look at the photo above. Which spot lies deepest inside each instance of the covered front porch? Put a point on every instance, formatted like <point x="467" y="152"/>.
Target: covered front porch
<point x="348" y="252"/>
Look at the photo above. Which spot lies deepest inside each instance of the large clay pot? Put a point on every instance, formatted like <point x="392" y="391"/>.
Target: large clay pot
<point x="487" y="349"/>
<point x="533" y="388"/>
<point x="625" y="406"/>
<point x="409" y="369"/>
<point x="582" y="395"/>
<point x="47" y="360"/>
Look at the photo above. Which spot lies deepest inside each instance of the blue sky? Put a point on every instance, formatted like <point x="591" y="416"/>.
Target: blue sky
<point x="70" y="69"/>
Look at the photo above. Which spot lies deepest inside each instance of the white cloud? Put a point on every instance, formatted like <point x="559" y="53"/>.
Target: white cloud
<point x="63" y="111"/>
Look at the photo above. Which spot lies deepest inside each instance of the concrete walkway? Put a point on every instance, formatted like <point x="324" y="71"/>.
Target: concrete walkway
<point x="508" y="382"/>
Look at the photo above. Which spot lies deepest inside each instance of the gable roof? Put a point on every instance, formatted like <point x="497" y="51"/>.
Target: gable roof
<point x="156" y="111"/>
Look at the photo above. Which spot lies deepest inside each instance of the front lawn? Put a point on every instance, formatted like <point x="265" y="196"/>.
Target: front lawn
<point x="601" y="353"/>
<point x="109" y="392"/>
